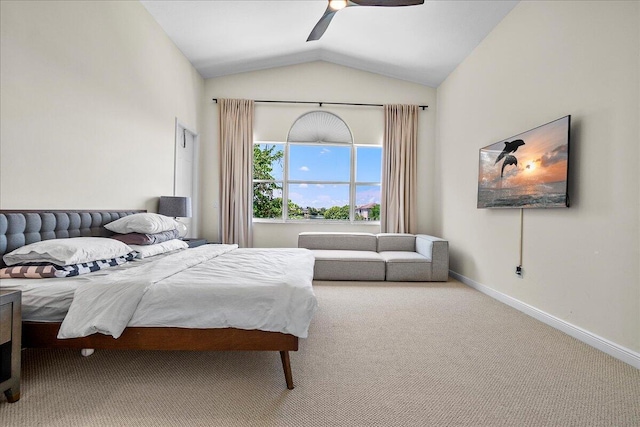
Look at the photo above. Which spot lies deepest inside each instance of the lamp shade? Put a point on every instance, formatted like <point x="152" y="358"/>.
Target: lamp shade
<point x="175" y="206"/>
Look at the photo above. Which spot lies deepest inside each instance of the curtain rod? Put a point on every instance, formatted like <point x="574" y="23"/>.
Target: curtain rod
<point x="320" y="103"/>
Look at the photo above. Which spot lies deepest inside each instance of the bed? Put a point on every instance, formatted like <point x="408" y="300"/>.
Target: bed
<point x="183" y="283"/>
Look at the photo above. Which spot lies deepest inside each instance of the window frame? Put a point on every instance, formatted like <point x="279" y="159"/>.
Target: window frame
<point x="327" y="131"/>
<point x="285" y="182"/>
<point x="355" y="183"/>
<point x="275" y="181"/>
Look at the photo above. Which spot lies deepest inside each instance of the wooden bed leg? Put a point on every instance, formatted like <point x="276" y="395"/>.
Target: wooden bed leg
<point x="286" y="365"/>
<point x="13" y="394"/>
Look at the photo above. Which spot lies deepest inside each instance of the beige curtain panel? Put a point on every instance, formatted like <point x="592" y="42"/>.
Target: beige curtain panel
<point x="236" y="154"/>
<point x="399" y="153"/>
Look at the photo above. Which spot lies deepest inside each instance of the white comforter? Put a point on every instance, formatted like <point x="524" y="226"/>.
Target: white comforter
<point x="212" y="286"/>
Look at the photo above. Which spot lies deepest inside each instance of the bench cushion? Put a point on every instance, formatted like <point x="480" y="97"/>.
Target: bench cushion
<point x="402" y="266"/>
<point x="396" y="242"/>
<point x="348" y="265"/>
<point x="340" y="241"/>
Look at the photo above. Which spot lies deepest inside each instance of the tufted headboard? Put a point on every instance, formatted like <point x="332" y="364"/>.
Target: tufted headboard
<point x="19" y="228"/>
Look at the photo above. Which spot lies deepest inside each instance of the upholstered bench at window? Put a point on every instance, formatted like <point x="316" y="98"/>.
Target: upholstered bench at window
<point x="385" y="256"/>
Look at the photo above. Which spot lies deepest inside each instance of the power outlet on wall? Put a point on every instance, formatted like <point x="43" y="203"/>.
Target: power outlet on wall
<point x="519" y="271"/>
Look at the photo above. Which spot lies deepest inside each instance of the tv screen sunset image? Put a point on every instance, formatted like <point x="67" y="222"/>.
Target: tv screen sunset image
<point x="528" y="170"/>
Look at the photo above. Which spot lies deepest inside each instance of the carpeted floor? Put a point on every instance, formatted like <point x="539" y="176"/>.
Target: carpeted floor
<point x="437" y="354"/>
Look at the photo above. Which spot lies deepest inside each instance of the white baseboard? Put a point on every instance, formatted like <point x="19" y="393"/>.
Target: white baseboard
<point x="602" y="344"/>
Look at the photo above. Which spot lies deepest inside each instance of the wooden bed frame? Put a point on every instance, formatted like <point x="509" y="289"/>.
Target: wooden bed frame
<point x="44" y="335"/>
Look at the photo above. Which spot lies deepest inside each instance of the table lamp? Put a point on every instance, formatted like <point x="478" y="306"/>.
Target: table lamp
<point x="176" y="207"/>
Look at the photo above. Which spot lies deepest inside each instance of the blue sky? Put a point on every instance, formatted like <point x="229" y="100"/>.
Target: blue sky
<point x="317" y="164"/>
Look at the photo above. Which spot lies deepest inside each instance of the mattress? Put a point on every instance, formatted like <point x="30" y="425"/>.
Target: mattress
<point x="264" y="289"/>
<point x="48" y="300"/>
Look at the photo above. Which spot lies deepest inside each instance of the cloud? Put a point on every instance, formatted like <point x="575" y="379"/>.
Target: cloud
<point x="319" y="185"/>
<point x="369" y="196"/>
<point x="303" y="185"/>
<point x="324" y="151"/>
<point x="556" y="155"/>
<point x="304" y="169"/>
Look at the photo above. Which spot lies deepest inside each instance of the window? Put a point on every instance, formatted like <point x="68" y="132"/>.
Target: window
<point x="322" y="174"/>
<point x="268" y="174"/>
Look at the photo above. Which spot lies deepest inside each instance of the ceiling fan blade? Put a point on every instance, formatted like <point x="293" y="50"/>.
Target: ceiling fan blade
<point x="326" y="18"/>
<point x="387" y="3"/>
<point x="322" y="24"/>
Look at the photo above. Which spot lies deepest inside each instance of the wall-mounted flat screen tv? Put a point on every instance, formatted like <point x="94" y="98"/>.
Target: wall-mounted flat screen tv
<point x="529" y="170"/>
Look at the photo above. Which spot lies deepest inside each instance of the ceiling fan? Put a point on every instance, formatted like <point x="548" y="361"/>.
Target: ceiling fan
<point x="336" y="5"/>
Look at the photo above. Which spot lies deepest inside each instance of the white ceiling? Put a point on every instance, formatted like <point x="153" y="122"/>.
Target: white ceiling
<point x="422" y="44"/>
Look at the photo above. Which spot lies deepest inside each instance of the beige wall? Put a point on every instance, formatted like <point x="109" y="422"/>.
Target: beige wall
<point x="90" y="94"/>
<point x="543" y="61"/>
<point x="316" y="81"/>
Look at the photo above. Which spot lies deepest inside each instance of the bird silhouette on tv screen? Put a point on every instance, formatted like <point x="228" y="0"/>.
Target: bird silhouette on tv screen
<point x="509" y="147"/>
<point x="509" y="160"/>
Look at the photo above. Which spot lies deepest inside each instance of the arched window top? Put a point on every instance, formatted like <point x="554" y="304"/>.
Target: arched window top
<point x="320" y="126"/>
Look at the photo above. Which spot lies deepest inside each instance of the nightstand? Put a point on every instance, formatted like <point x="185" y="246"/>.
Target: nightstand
<point x="10" y="343"/>
<point x="195" y="242"/>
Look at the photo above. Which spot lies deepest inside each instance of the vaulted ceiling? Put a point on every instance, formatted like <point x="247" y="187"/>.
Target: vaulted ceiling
<point x="422" y="44"/>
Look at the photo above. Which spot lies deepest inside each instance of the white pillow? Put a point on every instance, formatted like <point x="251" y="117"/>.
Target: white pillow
<point x="75" y="250"/>
<point x="145" y="251"/>
<point x="146" y="223"/>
